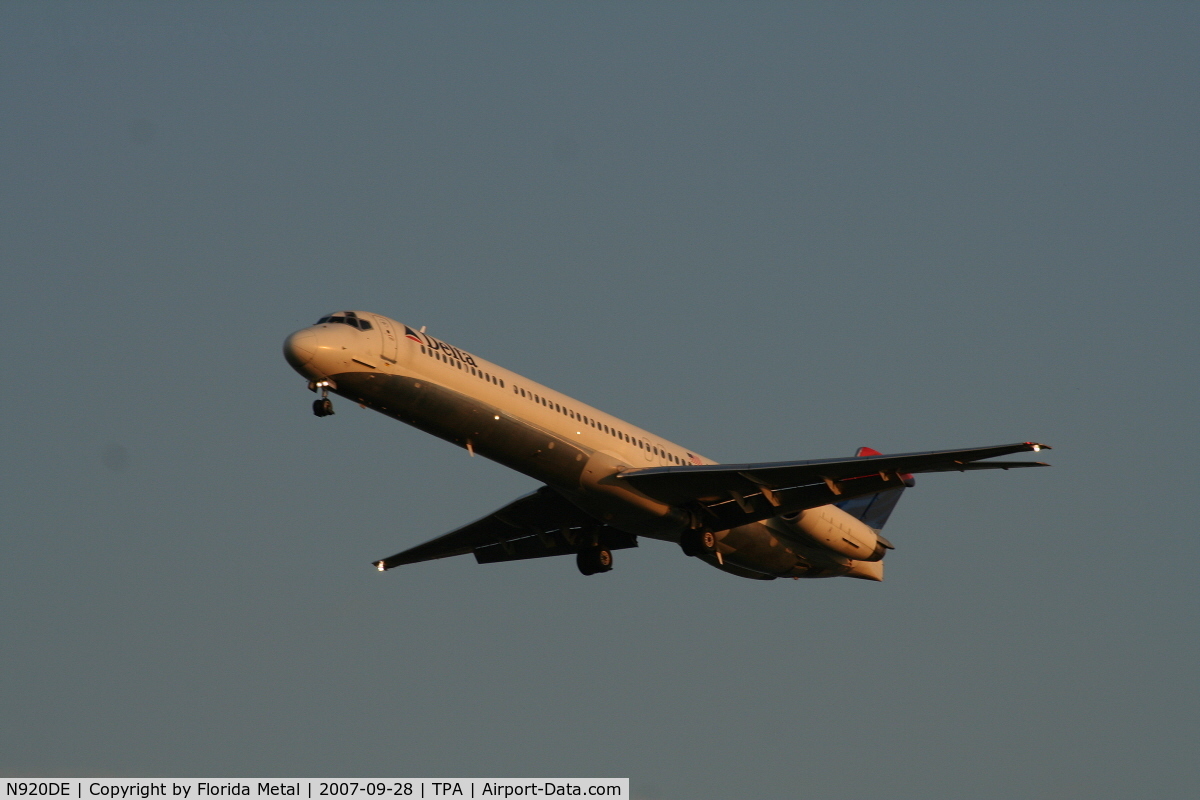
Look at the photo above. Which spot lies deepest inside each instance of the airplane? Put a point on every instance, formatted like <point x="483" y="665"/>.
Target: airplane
<point x="606" y="482"/>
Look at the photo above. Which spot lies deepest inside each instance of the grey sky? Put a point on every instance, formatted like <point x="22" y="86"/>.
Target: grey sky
<point x="765" y="231"/>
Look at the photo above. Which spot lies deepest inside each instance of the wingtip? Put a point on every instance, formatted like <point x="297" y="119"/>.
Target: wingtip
<point x="1036" y="446"/>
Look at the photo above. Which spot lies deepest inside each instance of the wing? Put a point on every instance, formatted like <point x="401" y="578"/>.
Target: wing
<point x="734" y="494"/>
<point x="542" y="523"/>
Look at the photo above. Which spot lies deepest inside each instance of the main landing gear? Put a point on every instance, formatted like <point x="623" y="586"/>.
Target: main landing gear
<point x="698" y="543"/>
<point x="593" y="560"/>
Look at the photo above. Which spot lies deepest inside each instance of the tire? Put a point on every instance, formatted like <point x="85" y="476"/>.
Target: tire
<point x="698" y="543"/>
<point x="594" y="560"/>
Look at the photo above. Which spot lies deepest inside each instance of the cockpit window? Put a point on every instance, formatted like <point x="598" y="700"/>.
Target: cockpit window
<point x="347" y="318"/>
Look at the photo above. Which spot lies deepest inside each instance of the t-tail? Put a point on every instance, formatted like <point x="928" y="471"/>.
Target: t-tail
<point x="874" y="509"/>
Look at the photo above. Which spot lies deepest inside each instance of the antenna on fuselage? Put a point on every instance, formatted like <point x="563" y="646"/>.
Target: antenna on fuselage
<point x="422" y="329"/>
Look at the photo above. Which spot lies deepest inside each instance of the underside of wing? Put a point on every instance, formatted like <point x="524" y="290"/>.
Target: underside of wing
<point x="735" y="494"/>
<point x="542" y="523"/>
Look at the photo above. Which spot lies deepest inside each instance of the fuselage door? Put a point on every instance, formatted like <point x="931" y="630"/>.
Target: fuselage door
<point x="387" y="332"/>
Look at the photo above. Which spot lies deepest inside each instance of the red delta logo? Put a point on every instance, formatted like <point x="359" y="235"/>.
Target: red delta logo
<point x="432" y="344"/>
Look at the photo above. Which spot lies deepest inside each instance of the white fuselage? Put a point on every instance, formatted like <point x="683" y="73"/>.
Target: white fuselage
<point x="569" y="445"/>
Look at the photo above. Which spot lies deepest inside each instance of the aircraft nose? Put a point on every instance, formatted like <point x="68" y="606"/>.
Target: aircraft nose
<point x="300" y="347"/>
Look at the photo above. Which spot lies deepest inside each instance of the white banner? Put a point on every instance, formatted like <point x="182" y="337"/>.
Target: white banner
<point x="319" y="788"/>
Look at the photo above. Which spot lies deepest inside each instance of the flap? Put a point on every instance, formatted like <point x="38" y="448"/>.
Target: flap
<point x="538" y="512"/>
<point x="555" y="543"/>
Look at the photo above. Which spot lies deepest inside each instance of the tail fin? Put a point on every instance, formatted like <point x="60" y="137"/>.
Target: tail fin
<point x="874" y="509"/>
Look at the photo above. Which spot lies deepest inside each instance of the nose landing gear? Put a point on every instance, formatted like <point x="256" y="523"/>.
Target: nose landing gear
<point x="322" y="406"/>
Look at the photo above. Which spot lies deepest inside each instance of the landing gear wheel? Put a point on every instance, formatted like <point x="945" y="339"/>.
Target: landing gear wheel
<point x="323" y="407"/>
<point x="593" y="560"/>
<point x="698" y="543"/>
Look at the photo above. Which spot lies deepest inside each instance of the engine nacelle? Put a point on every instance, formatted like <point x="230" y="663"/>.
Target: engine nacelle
<point x="836" y="530"/>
